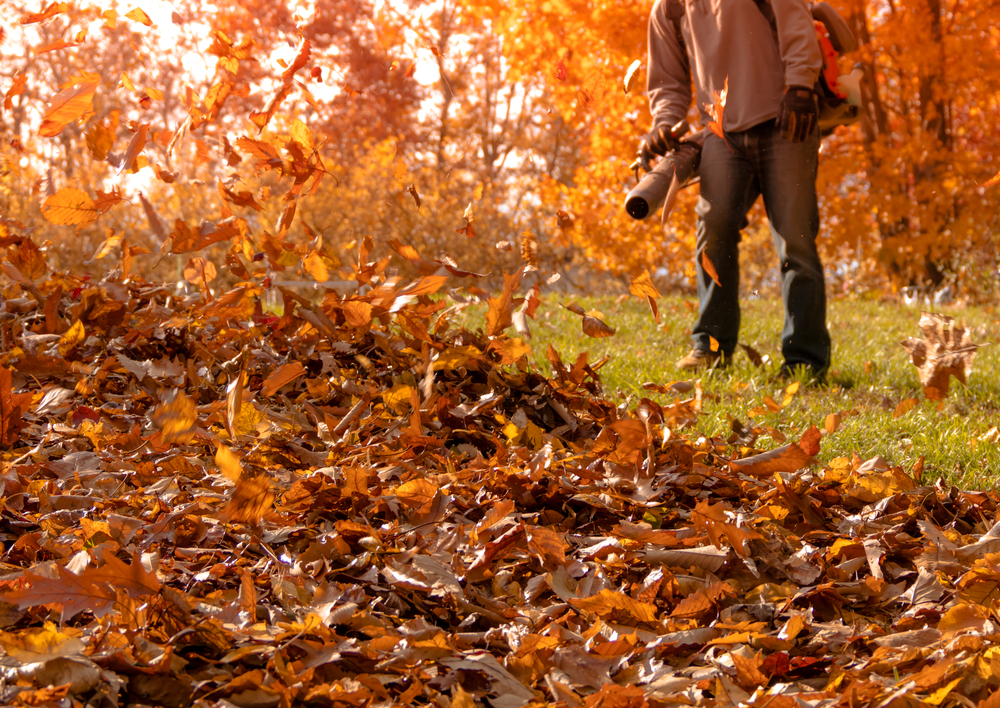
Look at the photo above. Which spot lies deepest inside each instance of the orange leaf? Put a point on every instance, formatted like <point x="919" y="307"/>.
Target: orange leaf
<point x="710" y="268"/>
<point x="417" y="494"/>
<point x="139" y="16"/>
<point x="250" y="501"/>
<point x="716" y="110"/>
<point x="548" y="545"/>
<point x="68" y="105"/>
<point x="199" y="271"/>
<point x="70" y="206"/>
<point x="75" y="593"/>
<point x="501" y="312"/>
<point x="301" y="57"/>
<point x="176" y="417"/>
<point x="51" y="10"/>
<point x="12" y="407"/>
<point x="281" y="376"/>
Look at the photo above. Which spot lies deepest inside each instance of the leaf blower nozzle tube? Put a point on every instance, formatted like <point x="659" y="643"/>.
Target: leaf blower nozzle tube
<point x="663" y="181"/>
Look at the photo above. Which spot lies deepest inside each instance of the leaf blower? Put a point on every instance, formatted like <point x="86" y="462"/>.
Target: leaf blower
<point x="676" y="170"/>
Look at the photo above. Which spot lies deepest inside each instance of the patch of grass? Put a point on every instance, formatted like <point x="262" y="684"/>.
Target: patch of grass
<point x="870" y="377"/>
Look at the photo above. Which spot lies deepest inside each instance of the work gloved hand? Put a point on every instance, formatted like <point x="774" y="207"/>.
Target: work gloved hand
<point x="799" y="113"/>
<point x="659" y="141"/>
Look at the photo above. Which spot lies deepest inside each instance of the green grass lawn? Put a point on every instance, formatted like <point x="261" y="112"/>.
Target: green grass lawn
<point x="870" y="376"/>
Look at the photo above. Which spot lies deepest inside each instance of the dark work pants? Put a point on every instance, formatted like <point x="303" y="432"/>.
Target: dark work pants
<point x="759" y="161"/>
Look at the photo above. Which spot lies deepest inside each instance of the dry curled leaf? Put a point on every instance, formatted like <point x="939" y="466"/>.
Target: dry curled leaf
<point x="946" y="350"/>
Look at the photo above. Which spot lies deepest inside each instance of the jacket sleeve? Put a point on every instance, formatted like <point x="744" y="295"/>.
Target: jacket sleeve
<point x="797" y="43"/>
<point x="668" y="81"/>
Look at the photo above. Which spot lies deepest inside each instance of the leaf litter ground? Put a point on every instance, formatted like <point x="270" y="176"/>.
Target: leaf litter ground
<point x="351" y="503"/>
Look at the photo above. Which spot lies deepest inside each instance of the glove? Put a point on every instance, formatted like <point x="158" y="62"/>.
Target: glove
<point x="799" y="113"/>
<point x="659" y="141"/>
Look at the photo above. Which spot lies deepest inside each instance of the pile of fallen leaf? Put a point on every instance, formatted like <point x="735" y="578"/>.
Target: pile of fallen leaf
<point x="263" y="499"/>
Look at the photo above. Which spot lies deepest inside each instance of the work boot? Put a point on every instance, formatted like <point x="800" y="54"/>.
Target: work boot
<point x="701" y="359"/>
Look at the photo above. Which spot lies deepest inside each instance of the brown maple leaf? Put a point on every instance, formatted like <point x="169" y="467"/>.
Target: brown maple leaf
<point x="945" y="351"/>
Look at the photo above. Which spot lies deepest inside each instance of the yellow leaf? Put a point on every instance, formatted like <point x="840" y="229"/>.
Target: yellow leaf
<point x="70" y="206"/>
<point x="247" y="420"/>
<point x="397" y="399"/>
<point x="455" y="357"/>
<point x="314" y="265"/>
<point x="33" y="645"/>
<point x="302" y="136"/>
<point x="73" y="337"/>
<point x="176" y="418"/>
<point x="228" y="463"/>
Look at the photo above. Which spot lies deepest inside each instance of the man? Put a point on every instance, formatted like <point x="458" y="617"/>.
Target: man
<point x="769" y="54"/>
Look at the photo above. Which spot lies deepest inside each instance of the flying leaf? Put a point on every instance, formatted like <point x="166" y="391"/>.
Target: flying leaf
<point x="301" y="58"/>
<point x="412" y="190"/>
<point x="468" y="229"/>
<point x="561" y="72"/>
<point x="788" y="458"/>
<point x="228" y="463"/>
<point x="251" y="499"/>
<point x="70" y="206"/>
<point x="282" y="376"/>
<point x="200" y="271"/>
<point x="101" y="136"/>
<point x="72" y="338"/>
<point x="16" y="89"/>
<point x="596" y="327"/>
<point x="529" y="249"/>
<point x="28" y="259"/>
<point x="709" y="268"/>
<point x="69" y="105"/>
<point x="262" y="118"/>
<point x="176" y="418"/>
<point x="139" y="16"/>
<point x="12" y="407"/>
<point x="631" y="76"/>
<point x="945" y="351"/>
<point x="642" y="287"/>
<point x="135" y="146"/>
<point x="501" y="309"/>
<point x="51" y="10"/>
<point x="716" y="109"/>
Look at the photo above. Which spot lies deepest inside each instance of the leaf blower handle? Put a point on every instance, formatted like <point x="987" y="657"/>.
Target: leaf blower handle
<point x="658" y="141"/>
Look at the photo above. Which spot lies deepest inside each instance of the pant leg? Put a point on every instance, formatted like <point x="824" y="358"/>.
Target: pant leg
<point x="729" y="186"/>
<point x="787" y="173"/>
